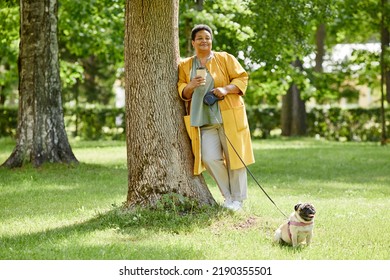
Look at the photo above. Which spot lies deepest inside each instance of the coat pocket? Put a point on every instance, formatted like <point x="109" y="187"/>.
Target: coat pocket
<point x="240" y="118"/>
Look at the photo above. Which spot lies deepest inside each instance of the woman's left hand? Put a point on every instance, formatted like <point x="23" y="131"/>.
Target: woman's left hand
<point x="220" y="92"/>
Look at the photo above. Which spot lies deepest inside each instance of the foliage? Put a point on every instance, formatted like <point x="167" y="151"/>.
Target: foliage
<point x="284" y="29"/>
<point x="74" y="212"/>
<point x="283" y="33"/>
<point x="91" y="38"/>
<point x="347" y="125"/>
<point x="8" y="121"/>
<point x="92" y="28"/>
<point x="96" y="122"/>
<point x="355" y="124"/>
<point x="333" y="123"/>
<point x="71" y="73"/>
<point x="9" y="42"/>
<point x="356" y="21"/>
<point x="342" y="79"/>
<point x="265" y="35"/>
<point x="263" y="121"/>
<point x="90" y="45"/>
<point x="223" y="16"/>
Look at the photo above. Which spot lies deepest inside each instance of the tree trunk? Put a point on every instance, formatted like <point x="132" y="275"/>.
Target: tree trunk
<point x="386" y="47"/>
<point x="199" y="5"/>
<point x="385" y="40"/>
<point x="320" y="46"/>
<point x="159" y="154"/>
<point x="187" y="32"/>
<point x="41" y="135"/>
<point x="2" y="94"/>
<point x="293" y="115"/>
<point x="188" y="28"/>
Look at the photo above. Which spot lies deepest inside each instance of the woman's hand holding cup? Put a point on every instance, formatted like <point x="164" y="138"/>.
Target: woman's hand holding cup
<point x="202" y="73"/>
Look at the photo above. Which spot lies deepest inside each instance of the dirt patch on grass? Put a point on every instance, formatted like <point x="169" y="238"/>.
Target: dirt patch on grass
<point x="248" y="223"/>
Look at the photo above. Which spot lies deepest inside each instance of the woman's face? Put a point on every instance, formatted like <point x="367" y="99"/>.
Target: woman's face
<point x="202" y="42"/>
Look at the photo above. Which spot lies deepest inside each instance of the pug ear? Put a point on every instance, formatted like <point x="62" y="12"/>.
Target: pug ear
<point x="297" y="206"/>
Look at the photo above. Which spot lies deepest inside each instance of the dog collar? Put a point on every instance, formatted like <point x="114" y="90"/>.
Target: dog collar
<point x="298" y="224"/>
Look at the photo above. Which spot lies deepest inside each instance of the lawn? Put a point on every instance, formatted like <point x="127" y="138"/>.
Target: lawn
<point x="74" y="212"/>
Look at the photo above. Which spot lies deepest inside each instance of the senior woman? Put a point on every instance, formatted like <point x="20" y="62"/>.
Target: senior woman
<point x="219" y="133"/>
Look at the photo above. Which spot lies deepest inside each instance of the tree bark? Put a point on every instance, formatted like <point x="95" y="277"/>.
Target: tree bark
<point x="159" y="155"/>
<point x="386" y="49"/>
<point x="2" y="95"/>
<point x="41" y="135"/>
<point x="293" y="115"/>
<point x="187" y="31"/>
<point x="320" y="46"/>
<point x="188" y="28"/>
<point x="385" y="40"/>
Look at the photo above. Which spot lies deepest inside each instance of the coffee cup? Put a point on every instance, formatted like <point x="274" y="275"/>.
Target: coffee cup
<point x="201" y="71"/>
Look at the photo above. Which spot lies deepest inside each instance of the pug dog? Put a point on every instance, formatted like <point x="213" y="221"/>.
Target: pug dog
<point x="299" y="227"/>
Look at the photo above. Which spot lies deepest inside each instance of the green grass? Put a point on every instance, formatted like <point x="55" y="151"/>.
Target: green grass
<point x="62" y="212"/>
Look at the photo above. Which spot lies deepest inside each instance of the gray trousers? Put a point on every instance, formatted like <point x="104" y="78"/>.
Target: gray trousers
<point x="215" y="157"/>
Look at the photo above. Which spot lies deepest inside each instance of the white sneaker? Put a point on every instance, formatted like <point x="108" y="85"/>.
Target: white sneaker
<point x="236" y="205"/>
<point x="228" y="203"/>
<point x="233" y="205"/>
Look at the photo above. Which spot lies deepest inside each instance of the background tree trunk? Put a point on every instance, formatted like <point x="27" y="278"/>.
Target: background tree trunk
<point x="293" y="115"/>
<point x="159" y="154"/>
<point x="385" y="40"/>
<point x="386" y="50"/>
<point x="3" y="96"/>
<point x="320" y="47"/>
<point x="188" y="29"/>
<point x="41" y="135"/>
<point x="189" y="24"/>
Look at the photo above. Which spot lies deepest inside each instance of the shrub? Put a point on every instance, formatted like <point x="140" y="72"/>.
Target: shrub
<point x="96" y="123"/>
<point x="109" y="123"/>
<point x="356" y="124"/>
<point x="8" y="121"/>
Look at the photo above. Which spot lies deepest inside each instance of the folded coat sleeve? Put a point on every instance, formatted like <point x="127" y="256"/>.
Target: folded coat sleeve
<point x="183" y="79"/>
<point x="237" y="74"/>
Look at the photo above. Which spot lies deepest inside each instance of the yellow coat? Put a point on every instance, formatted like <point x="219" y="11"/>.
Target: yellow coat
<point x="225" y="70"/>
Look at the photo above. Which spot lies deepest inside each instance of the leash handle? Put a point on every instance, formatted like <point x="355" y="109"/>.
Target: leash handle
<point x="242" y="161"/>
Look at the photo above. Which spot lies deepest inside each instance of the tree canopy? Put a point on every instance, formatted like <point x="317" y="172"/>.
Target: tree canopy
<point x="266" y="35"/>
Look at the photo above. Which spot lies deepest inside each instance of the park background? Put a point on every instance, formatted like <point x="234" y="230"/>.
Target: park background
<point x="317" y="108"/>
<point x="324" y="54"/>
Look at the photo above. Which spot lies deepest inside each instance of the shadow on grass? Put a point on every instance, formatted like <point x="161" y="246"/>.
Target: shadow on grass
<point x="136" y="225"/>
<point x="56" y="188"/>
<point x="53" y="190"/>
<point x="289" y="248"/>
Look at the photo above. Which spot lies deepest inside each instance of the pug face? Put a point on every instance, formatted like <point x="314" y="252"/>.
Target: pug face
<point x="306" y="211"/>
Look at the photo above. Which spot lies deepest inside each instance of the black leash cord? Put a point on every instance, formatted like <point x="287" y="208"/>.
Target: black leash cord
<point x="247" y="166"/>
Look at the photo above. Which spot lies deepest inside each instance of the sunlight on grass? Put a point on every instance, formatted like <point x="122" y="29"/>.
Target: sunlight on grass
<point x="105" y="155"/>
<point x="73" y="212"/>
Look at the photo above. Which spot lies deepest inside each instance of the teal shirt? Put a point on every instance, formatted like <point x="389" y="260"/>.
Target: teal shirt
<point x="202" y="114"/>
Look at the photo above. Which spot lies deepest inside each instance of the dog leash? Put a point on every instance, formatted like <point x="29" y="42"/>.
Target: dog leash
<point x="242" y="161"/>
